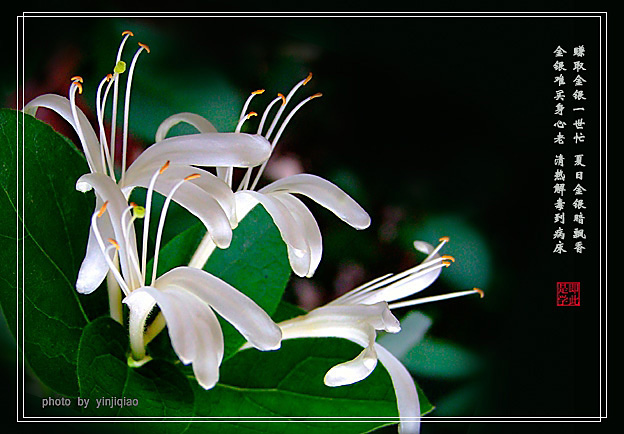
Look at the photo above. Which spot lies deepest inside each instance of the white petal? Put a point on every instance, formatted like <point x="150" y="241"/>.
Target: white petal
<point x="202" y="124"/>
<point x="62" y="106"/>
<point x="206" y="149"/>
<point x="424" y="247"/>
<point x="238" y="309"/>
<point x="352" y="371"/>
<point x="283" y="219"/>
<point x="208" y="182"/>
<point x="405" y="390"/>
<point x="94" y="267"/>
<point x="324" y="193"/>
<point x="309" y="227"/>
<point x="193" y="328"/>
<point x="109" y="191"/>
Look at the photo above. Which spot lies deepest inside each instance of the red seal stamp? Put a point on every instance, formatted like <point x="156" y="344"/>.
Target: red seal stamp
<point x="568" y="293"/>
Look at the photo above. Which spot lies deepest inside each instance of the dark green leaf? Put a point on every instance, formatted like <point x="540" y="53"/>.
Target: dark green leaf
<point x="157" y="389"/>
<point x="54" y="222"/>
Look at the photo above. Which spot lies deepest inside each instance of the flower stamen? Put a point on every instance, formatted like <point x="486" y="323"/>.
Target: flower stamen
<point x="161" y="222"/>
<point x="435" y="298"/>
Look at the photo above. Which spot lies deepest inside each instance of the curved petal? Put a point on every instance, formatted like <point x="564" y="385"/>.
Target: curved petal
<point x="310" y="229"/>
<point x="193" y="328"/>
<point x="238" y="309"/>
<point x="207" y="182"/>
<point x="325" y="194"/>
<point x="354" y="370"/>
<point x="94" y="267"/>
<point x="283" y="219"/>
<point x="405" y="390"/>
<point x="200" y="123"/>
<point x="109" y="191"/>
<point x="62" y="106"/>
<point x="206" y="149"/>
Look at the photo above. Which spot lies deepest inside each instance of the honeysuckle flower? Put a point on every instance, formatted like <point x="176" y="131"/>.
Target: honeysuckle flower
<point x="187" y="297"/>
<point x="359" y="313"/>
<point x="297" y="225"/>
<point x="210" y="199"/>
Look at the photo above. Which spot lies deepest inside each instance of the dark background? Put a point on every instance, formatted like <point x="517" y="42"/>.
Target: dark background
<point x="438" y="126"/>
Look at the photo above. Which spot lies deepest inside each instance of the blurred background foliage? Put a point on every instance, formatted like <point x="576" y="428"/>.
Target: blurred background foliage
<point x="438" y="127"/>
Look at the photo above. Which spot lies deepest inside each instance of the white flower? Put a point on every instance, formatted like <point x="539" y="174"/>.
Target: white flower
<point x="360" y="312"/>
<point x="210" y="199"/>
<point x="297" y="225"/>
<point x="186" y="296"/>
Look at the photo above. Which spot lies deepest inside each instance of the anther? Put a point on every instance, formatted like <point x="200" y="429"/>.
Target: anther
<point x="114" y="243"/>
<point x="127" y="32"/>
<point x="79" y="86"/>
<point x="165" y="166"/>
<point x="76" y="78"/>
<point x="103" y="209"/>
<point x="250" y="114"/>
<point x="449" y="257"/>
<point x="447" y="239"/>
<point x="479" y="291"/>
<point x="258" y="92"/>
<point x="144" y="46"/>
<point x="193" y="176"/>
<point x="283" y="98"/>
<point x="308" y="78"/>
<point x="120" y="67"/>
<point x="316" y="95"/>
<point x="446" y="263"/>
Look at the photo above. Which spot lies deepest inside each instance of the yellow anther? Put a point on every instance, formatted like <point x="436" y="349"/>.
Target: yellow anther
<point x="479" y="291"/>
<point x="138" y="211"/>
<point x="103" y="209"/>
<point x="446" y="263"/>
<point x="114" y="243"/>
<point x="145" y="47"/>
<point x="76" y="78"/>
<point x="258" y="92"/>
<point x="165" y="167"/>
<point x="316" y="95"/>
<point x="449" y="257"/>
<point x="193" y="176"/>
<point x="283" y="98"/>
<point x="447" y="239"/>
<point x="120" y="67"/>
<point x="250" y="114"/>
<point x="79" y="86"/>
<point x="127" y="32"/>
<point x="308" y="78"/>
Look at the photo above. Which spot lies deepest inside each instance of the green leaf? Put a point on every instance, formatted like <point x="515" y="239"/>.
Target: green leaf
<point x="157" y="389"/>
<point x="54" y="221"/>
<point x="289" y="384"/>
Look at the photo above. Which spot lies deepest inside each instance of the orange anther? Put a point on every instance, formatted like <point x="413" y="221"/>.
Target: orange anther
<point x="308" y="78"/>
<point x="258" y="92"/>
<point x="127" y="32"/>
<point x="316" y="95"/>
<point x="283" y="98"/>
<point x="76" y="78"/>
<point x="109" y="77"/>
<point x="193" y="176"/>
<point x="103" y="209"/>
<point x="78" y="85"/>
<point x="447" y="239"/>
<point x="446" y="263"/>
<point x="165" y="167"/>
<point x="250" y="114"/>
<point x="449" y="257"/>
<point x="479" y="291"/>
<point x="114" y="243"/>
<point x="144" y="46"/>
